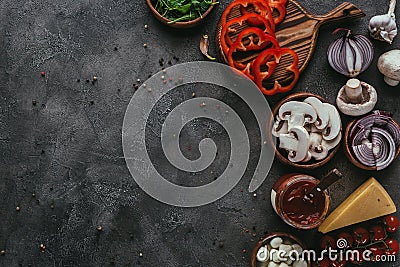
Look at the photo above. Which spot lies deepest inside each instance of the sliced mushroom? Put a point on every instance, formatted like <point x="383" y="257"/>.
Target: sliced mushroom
<point x="389" y="65"/>
<point x="332" y="130"/>
<point x="319" y="148"/>
<point x="322" y="113"/>
<point x="315" y="148"/>
<point x="280" y="127"/>
<point x="308" y="157"/>
<point x="296" y="143"/>
<point x="297" y="113"/>
<point x="356" y="98"/>
<point x="332" y="143"/>
<point x="312" y="129"/>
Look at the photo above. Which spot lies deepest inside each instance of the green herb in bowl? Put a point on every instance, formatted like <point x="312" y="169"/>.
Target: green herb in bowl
<point x="182" y="10"/>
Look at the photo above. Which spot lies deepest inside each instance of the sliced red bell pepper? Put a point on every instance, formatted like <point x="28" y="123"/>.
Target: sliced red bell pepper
<point x="227" y="31"/>
<point x="253" y="21"/>
<point x="257" y="40"/>
<point x="277" y="6"/>
<point x="260" y="7"/>
<point x="269" y="59"/>
<point x="280" y="9"/>
<point x="282" y="2"/>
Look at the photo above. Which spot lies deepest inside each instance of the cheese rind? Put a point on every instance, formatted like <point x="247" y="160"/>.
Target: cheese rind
<point x="369" y="201"/>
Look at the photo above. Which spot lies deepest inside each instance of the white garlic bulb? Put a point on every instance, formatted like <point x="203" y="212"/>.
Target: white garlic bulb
<point x="383" y="27"/>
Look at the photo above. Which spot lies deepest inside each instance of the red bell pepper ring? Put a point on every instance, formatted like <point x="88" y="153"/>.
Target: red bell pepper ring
<point x="270" y="58"/>
<point x="226" y="40"/>
<point x="253" y="21"/>
<point x="280" y="9"/>
<point x="281" y="2"/>
<point x="258" y="40"/>
<point x="260" y="7"/>
<point x="277" y="6"/>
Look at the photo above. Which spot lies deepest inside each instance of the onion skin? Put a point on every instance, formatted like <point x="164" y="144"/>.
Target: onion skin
<point x="351" y="54"/>
<point x="374" y="140"/>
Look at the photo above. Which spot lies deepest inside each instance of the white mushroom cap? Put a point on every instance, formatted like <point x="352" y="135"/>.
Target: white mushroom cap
<point x="389" y="65"/>
<point x="356" y="98"/>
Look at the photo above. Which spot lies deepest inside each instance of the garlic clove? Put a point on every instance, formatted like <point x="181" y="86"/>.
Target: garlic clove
<point x="204" y="44"/>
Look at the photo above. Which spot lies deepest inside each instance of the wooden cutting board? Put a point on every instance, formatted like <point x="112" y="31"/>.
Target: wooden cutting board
<point x="298" y="31"/>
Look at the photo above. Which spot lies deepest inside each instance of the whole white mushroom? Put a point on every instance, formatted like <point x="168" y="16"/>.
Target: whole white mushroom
<point x="389" y="65"/>
<point x="356" y="98"/>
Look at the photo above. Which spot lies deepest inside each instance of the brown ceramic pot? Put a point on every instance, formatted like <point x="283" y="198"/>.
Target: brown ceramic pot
<point x="350" y="155"/>
<point x="267" y="239"/>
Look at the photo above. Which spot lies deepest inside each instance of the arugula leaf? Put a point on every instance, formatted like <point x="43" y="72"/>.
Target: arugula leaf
<point x="182" y="10"/>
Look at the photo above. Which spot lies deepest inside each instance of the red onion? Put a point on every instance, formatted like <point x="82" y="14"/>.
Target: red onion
<point x="351" y="54"/>
<point x="364" y="154"/>
<point x="374" y="140"/>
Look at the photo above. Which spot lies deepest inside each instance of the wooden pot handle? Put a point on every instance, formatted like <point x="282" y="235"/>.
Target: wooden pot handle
<point x="343" y="11"/>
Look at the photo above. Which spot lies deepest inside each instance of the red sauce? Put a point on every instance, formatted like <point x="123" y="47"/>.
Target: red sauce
<point x="302" y="211"/>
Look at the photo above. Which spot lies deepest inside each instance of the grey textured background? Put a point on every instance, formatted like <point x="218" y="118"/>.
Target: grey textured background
<point x="66" y="149"/>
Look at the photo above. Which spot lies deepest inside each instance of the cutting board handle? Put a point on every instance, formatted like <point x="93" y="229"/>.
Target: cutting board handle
<point x="344" y="11"/>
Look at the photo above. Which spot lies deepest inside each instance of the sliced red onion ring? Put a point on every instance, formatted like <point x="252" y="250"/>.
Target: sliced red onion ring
<point x="387" y="147"/>
<point x="364" y="153"/>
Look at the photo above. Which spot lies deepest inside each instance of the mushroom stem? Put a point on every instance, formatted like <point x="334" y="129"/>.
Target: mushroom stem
<point x="390" y="81"/>
<point x="353" y="91"/>
<point x="392" y="6"/>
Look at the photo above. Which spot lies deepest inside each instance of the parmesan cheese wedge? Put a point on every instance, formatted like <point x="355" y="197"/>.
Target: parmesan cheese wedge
<point x="369" y="201"/>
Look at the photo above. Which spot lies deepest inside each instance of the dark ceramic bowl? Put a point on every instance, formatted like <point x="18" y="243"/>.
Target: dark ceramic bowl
<point x="180" y="24"/>
<point x="281" y="154"/>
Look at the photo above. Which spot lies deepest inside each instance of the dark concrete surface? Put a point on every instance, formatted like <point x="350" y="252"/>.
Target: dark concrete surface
<point x="60" y="140"/>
